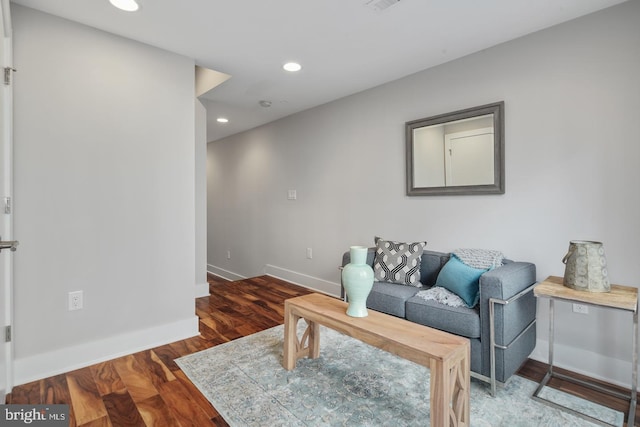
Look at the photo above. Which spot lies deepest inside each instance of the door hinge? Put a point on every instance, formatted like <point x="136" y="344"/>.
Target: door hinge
<point x="7" y="333"/>
<point x="7" y="205"/>
<point x="7" y="75"/>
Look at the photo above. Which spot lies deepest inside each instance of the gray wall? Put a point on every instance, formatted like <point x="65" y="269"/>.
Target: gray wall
<point x="572" y="99"/>
<point x="202" y="286"/>
<point x="104" y="195"/>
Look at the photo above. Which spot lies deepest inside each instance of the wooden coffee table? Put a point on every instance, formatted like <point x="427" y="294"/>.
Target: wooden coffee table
<point x="446" y="355"/>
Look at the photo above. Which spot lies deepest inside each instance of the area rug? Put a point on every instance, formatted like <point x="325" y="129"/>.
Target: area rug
<point x="353" y="384"/>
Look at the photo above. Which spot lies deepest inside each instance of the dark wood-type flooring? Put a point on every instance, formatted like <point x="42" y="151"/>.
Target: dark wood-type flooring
<point x="148" y="388"/>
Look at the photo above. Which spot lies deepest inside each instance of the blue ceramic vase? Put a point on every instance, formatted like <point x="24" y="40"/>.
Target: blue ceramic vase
<point x="357" y="279"/>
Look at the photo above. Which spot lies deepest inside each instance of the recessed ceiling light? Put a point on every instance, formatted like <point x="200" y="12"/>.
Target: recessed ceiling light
<point x="222" y="120"/>
<point x="127" y="5"/>
<point x="292" y="66"/>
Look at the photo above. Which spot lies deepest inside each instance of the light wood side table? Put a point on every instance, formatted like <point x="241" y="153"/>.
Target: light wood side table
<point x="620" y="298"/>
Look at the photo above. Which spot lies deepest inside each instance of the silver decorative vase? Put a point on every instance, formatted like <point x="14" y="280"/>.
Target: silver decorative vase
<point x="586" y="267"/>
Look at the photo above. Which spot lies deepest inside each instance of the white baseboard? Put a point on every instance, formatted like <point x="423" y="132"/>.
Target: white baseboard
<point x="303" y="280"/>
<point x="300" y="279"/>
<point x="202" y="290"/>
<point x="225" y="274"/>
<point x="79" y="356"/>
<point x="594" y="365"/>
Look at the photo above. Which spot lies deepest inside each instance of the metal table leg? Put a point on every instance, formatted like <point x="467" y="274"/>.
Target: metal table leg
<point x="550" y="374"/>
<point x="634" y="370"/>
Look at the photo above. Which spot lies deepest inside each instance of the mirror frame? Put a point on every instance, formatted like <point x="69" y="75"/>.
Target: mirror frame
<point x="498" y="186"/>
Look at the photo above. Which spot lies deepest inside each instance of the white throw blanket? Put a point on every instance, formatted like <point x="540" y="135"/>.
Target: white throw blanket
<point x="480" y="258"/>
<point x="442" y="295"/>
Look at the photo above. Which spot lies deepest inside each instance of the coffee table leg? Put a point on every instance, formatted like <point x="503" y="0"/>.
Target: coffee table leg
<point x="314" y="339"/>
<point x="290" y="355"/>
<point x="462" y="389"/>
<point x="450" y="391"/>
<point x="294" y="349"/>
<point x="439" y="389"/>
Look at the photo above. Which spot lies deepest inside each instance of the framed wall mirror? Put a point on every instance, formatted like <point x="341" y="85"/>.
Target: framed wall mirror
<point x="457" y="153"/>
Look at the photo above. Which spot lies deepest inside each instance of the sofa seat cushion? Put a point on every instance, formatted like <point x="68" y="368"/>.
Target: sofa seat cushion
<point x="390" y="298"/>
<point x="461" y="321"/>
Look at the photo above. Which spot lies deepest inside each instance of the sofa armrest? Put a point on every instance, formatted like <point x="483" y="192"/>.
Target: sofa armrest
<point x="511" y="321"/>
<point x="507" y="281"/>
<point x="504" y="283"/>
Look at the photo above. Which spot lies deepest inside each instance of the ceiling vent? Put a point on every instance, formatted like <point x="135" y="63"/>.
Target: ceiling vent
<point x="380" y="5"/>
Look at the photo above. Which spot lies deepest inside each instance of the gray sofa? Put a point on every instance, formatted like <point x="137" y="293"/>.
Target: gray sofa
<point x="505" y="314"/>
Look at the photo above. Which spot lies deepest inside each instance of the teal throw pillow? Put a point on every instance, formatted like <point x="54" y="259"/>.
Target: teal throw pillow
<point x="461" y="279"/>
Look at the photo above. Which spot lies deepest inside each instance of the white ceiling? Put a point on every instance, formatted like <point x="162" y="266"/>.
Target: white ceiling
<point x="344" y="46"/>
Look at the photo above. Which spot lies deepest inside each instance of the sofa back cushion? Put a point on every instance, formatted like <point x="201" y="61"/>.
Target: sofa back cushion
<point x="430" y="266"/>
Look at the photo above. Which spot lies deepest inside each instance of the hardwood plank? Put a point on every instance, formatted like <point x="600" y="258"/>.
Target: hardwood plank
<point x="122" y="410"/>
<point x="85" y="399"/>
<point x="219" y="422"/>
<point x="138" y="383"/>
<point x="167" y="354"/>
<point x="55" y="390"/>
<point x="188" y="346"/>
<point x="210" y="335"/>
<point x="107" y="379"/>
<point x="156" y="413"/>
<point x="197" y="397"/>
<point x="29" y="393"/>
<point x="100" y="422"/>
<point x="249" y="329"/>
<point x="156" y="370"/>
<point x="188" y="413"/>
<point x="215" y="326"/>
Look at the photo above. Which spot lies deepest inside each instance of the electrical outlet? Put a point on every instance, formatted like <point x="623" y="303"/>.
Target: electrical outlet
<point x="75" y="300"/>
<point x="309" y="253"/>
<point x="581" y="308"/>
<point x="228" y="254"/>
<point x="292" y="195"/>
